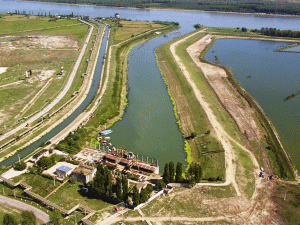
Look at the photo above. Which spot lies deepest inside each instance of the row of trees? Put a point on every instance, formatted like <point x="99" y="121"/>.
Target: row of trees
<point x="247" y="6"/>
<point x="170" y="175"/>
<point x="192" y="176"/>
<point x="138" y="198"/>
<point x="28" y="218"/>
<point x="277" y="32"/>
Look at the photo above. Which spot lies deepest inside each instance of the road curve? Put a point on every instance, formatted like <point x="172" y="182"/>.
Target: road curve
<point x="40" y="215"/>
<point x="62" y="93"/>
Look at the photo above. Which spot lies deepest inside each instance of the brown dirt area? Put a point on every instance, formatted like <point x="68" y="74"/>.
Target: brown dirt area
<point x="37" y="41"/>
<point x="242" y="115"/>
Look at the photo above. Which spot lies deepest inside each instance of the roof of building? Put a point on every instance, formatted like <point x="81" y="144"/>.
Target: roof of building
<point x="84" y="170"/>
<point x="108" y="156"/>
<point x="64" y="168"/>
<point x="37" y="155"/>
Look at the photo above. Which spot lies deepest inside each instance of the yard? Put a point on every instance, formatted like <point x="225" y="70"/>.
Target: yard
<point x="70" y="195"/>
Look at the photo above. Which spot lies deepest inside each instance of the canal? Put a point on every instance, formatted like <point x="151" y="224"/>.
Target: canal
<point x="142" y="128"/>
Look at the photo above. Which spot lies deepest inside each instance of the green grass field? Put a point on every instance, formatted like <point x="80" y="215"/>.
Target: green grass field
<point x="69" y="195"/>
<point x="20" y="54"/>
<point x="40" y="185"/>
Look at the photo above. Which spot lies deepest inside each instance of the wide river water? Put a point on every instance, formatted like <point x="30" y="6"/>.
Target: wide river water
<point x="148" y="126"/>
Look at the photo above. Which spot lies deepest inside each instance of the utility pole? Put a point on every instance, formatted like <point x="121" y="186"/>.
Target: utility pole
<point x="285" y="195"/>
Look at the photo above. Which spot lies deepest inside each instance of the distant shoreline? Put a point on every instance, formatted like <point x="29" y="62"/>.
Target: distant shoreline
<point x="172" y="9"/>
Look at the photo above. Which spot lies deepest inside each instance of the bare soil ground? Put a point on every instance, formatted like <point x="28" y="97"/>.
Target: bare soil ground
<point x="37" y="41"/>
<point x="242" y="115"/>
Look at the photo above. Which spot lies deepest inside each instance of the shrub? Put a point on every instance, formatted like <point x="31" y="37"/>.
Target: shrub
<point x="20" y="166"/>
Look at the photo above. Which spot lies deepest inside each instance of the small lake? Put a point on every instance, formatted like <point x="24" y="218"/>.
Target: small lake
<point x="274" y="76"/>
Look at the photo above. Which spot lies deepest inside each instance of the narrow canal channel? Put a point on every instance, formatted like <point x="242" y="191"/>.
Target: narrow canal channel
<point x="149" y="126"/>
<point x="93" y="90"/>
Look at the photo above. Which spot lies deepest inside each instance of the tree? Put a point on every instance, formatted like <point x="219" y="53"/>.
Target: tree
<point x="20" y="166"/>
<point x="178" y="177"/>
<point x="28" y="218"/>
<point x="161" y="184"/>
<point x="8" y="219"/>
<point x="99" y="182"/>
<point x="3" y="167"/>
<point x="172" y="171"/>
<point x="56" y="217"/>
<point x="136" y="196"/>
<point x="125" y="188"/>
<point x="244" y="29"/>
<point x="198" y="173"/>
<point x="166" y="174"/>
<point x="197" y="26"/>
<point x="119" y="189"/>
<point x="46" y="162"/>
<point x="107" y="181"/>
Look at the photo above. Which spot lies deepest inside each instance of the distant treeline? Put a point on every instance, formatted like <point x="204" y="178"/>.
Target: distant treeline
<point x="277" y="32"/>
<point x="246" y="6"/>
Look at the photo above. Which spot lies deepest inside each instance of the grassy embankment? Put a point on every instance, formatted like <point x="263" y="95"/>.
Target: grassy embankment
<point x="75" y="85"/>
<point x="114" y="100"/>
<point x="191" y="116"/>
<point x="280" y="162"/>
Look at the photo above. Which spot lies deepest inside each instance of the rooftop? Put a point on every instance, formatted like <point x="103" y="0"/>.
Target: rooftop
<point x="84" y="170"/>
<point x="64" y="168"/>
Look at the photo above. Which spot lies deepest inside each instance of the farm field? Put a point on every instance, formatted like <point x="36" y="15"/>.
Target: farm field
<point x="37" y="50"/>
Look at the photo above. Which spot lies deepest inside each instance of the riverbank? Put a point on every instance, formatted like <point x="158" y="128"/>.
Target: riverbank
<point x="174" y="9"/>
<point x="282" y="164"/>
<point x="65" y="111"/>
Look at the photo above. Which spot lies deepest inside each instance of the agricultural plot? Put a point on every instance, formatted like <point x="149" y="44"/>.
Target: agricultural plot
<point x="32" y="52"/>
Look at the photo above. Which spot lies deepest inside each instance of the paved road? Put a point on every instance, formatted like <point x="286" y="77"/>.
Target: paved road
<point x="61" y="95"/>
<point x="40" y="215"/>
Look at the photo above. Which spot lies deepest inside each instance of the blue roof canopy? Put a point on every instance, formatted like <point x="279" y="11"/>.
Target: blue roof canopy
<point x="63" y="168"/>
<point x="106" y="132"/>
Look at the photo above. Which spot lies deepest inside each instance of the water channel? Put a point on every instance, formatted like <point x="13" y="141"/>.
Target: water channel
<point x="65" y="123"/>
<point x="154" y="138"/>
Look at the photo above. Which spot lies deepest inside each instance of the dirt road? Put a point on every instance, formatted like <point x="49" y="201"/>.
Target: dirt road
<point x="239" y="109"/>
<point x="40" y="215"/>
<point x="220" y="132"/>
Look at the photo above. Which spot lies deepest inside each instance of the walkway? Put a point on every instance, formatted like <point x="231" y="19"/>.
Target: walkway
<point x="40" y="215"/>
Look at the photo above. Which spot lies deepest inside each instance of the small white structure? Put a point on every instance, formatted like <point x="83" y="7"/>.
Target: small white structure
<point x="63" y="171"/>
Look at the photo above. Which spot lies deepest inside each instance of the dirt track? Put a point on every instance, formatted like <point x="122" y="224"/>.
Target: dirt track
<point x="219" y="129"/>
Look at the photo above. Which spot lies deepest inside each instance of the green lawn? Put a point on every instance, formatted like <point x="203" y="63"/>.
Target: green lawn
<point x="70" y="195"/>
<point x="40" y="185"/>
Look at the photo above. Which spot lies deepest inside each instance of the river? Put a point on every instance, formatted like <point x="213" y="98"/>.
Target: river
<point x="153" y="139"/>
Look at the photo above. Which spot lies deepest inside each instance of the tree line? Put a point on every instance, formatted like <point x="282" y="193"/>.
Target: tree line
<point x="277" y="32"/>
<point x="192" y="176"/>
<point x="247" y="6"/>
<point x="27" y="218"/>
<point x="103" y="184"/>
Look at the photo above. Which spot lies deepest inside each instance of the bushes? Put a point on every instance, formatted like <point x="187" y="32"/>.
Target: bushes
<point x="20" y="166"/>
